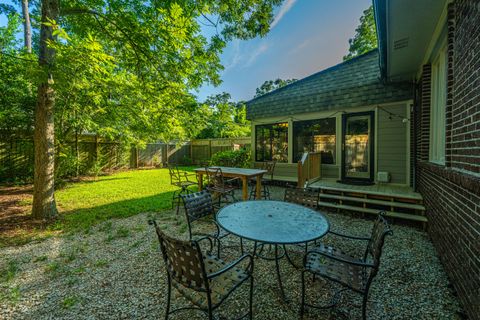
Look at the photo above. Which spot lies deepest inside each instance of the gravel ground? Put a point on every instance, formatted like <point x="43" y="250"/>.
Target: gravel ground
<point x="116" y="272"/>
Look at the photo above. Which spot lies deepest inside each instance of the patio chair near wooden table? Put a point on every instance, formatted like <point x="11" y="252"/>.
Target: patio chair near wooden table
<point x="267" y="179"/>
<point x="179" y="179"/>
<point x="219" y="185"/>
<point x="203" y="279"/>
<point x="199" y="205"/>
<point x="352" y="273"/>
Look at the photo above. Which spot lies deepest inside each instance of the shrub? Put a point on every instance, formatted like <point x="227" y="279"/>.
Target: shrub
<point x="232" y="158"/>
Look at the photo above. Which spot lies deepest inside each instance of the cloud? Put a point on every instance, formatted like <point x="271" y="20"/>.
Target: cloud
<point x="255" y="54"/>
<point x="287" y="5"/>
<point x="300" y="47"/>
<point x="236" y="56"/>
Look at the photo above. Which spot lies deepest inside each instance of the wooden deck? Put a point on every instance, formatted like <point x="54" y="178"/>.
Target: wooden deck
<point x="397" y="201"/>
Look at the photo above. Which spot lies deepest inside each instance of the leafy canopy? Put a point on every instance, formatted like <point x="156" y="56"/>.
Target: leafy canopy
<point x="222" y="118"/>
<point x="271" y="85"/>
<point x="125" y="68"/>
<point x="365" y="38"/>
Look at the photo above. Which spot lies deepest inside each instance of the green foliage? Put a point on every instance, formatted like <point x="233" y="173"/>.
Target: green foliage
<point x="124" y="69"/>
<point x="365" y="38"/>
<point x="17" y="93"/>
<point x="232" y="158"/>
<point x="219" y="117"/>
<point x="9" y="272"/>
<point x="270" y="85"/>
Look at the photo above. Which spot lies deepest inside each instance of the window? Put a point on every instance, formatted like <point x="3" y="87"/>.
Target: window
<point x="315" y="136"/>
<point x="437" y="107"/>
<point x="271" y="142"/>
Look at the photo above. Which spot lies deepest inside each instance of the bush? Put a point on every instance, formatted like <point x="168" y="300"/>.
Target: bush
<point x="232" y="158"/>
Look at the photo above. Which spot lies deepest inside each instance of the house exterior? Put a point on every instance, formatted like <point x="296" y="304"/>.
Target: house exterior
<point x="410" y="109"/>
<point x="436" y="44"/>
<point x="345" y="105"/>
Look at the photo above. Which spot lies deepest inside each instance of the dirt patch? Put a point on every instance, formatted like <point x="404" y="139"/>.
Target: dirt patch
<point x="16" y="223"/>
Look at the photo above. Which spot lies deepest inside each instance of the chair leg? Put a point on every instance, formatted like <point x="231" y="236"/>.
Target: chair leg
<point x="364" y="306"/>
<point x="302" y="305"/>
<point x="167" y="311"/>
<point x="250" y="309"/>
<point x="173" y="198"/>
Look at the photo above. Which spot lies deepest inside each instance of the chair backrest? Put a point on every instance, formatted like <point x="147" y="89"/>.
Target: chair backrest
<point x="270" y="167"/>
<point x="215" y="177"/>
<point x="183" y="261"/>
<point x="374" y="249"/>
<point x="197" y="205"/>
<point x="302" y="196"/>
<point x="174" y="173"/>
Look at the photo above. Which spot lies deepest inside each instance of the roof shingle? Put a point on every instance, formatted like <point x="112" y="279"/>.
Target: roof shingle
<point x="353" y="83"/>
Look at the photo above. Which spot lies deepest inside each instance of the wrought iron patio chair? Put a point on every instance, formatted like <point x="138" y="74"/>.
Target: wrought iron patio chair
<point x="199" y="205"/>
<point x="302" y="196"/>
<point x="182" y="180"/>
<point x="203" y="279"/>
<point x="267" y="180"/>
<point x="218" y="185"/>
<point x="350" y="272"/>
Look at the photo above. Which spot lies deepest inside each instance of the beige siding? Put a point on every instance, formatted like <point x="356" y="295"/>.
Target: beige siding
<point x="392" y="143"/>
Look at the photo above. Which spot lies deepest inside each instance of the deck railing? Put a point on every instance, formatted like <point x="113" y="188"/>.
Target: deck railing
<point x="309" y="168"/>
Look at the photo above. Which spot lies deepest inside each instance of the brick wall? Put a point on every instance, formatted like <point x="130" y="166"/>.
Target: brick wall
<point x="452" y="192"/>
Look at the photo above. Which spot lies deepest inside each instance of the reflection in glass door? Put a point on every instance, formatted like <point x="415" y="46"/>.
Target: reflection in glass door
<point x="357" y="150"/>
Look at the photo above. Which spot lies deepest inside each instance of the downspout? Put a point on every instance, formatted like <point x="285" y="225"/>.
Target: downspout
<point x="413" y="122"/>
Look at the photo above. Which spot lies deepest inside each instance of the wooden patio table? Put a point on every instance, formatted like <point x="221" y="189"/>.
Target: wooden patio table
<point x="242" y="173"/>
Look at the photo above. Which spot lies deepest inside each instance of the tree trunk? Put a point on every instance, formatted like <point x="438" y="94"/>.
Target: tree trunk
<point x="44" y="206"/>
<point x="27" y="29"/>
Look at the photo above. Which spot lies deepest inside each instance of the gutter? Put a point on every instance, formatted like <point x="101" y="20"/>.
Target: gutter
<point x="380" y="14"/>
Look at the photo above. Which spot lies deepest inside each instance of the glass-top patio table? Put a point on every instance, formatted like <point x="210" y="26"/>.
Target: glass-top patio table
<point x="273" y="222"/>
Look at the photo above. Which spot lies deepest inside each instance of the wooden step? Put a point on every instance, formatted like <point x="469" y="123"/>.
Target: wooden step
<point x="400" y="215"/>
<point x="395" y="204"/>
<point x="411" y="195"/>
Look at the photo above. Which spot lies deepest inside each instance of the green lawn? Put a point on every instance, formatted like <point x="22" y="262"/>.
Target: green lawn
<point x="119" y="195"/>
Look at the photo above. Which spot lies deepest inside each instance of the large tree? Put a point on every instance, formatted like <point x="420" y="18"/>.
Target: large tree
<point x="365" y="38"/>
<point x="220" y="117"/>
<point x="270" y="85"/>
<point x="153" y="49"/>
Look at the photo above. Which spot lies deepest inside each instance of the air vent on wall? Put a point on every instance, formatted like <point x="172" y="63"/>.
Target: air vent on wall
<point x="400" y="44"/>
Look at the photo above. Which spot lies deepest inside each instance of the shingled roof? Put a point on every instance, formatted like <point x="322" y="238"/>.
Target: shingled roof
<point x="353" y="83"/>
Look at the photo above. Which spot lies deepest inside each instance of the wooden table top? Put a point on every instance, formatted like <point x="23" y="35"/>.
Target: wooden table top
<point x="236" y="171"/>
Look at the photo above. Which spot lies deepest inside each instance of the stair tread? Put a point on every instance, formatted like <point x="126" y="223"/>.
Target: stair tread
<point x="374" y="201"/>
<point x="411" y="195"/>
<point x="375" y="211"/>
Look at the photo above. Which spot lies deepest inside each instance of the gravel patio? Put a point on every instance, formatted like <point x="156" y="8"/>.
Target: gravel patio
<point x="115" y="271"/>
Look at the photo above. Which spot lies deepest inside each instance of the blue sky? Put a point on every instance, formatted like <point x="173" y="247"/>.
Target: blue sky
<point x="306" y="36"/>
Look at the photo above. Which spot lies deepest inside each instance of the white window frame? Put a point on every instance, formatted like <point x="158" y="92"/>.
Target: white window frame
<point x="438" y="106"/>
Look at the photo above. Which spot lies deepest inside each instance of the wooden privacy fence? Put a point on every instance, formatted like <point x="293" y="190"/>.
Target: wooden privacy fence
<point x="87" y="154"/>
<point x="201" y="150"/>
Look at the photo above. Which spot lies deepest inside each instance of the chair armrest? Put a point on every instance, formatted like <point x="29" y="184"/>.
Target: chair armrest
<point x="187" y="175"/>
<point x="355" y="262"/>
<point x="205" y="237"/>
<point x="348" y="236"/>
<point x="233" y="264"/>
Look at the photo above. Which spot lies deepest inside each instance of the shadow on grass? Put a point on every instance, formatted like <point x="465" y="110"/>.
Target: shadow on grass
<point x="84" y="218"/>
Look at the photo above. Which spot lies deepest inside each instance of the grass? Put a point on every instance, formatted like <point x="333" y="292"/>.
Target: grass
<point x="9" y="271"/>
<point x="120" y="195"/>
<point x="84" y="204"/>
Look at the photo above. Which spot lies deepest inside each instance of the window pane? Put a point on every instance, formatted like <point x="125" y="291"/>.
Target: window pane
<point x="315" y="136"/>
<point x="271" y="142"/>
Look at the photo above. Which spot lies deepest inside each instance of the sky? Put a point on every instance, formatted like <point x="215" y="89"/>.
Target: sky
<point x="306" y="36"/>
